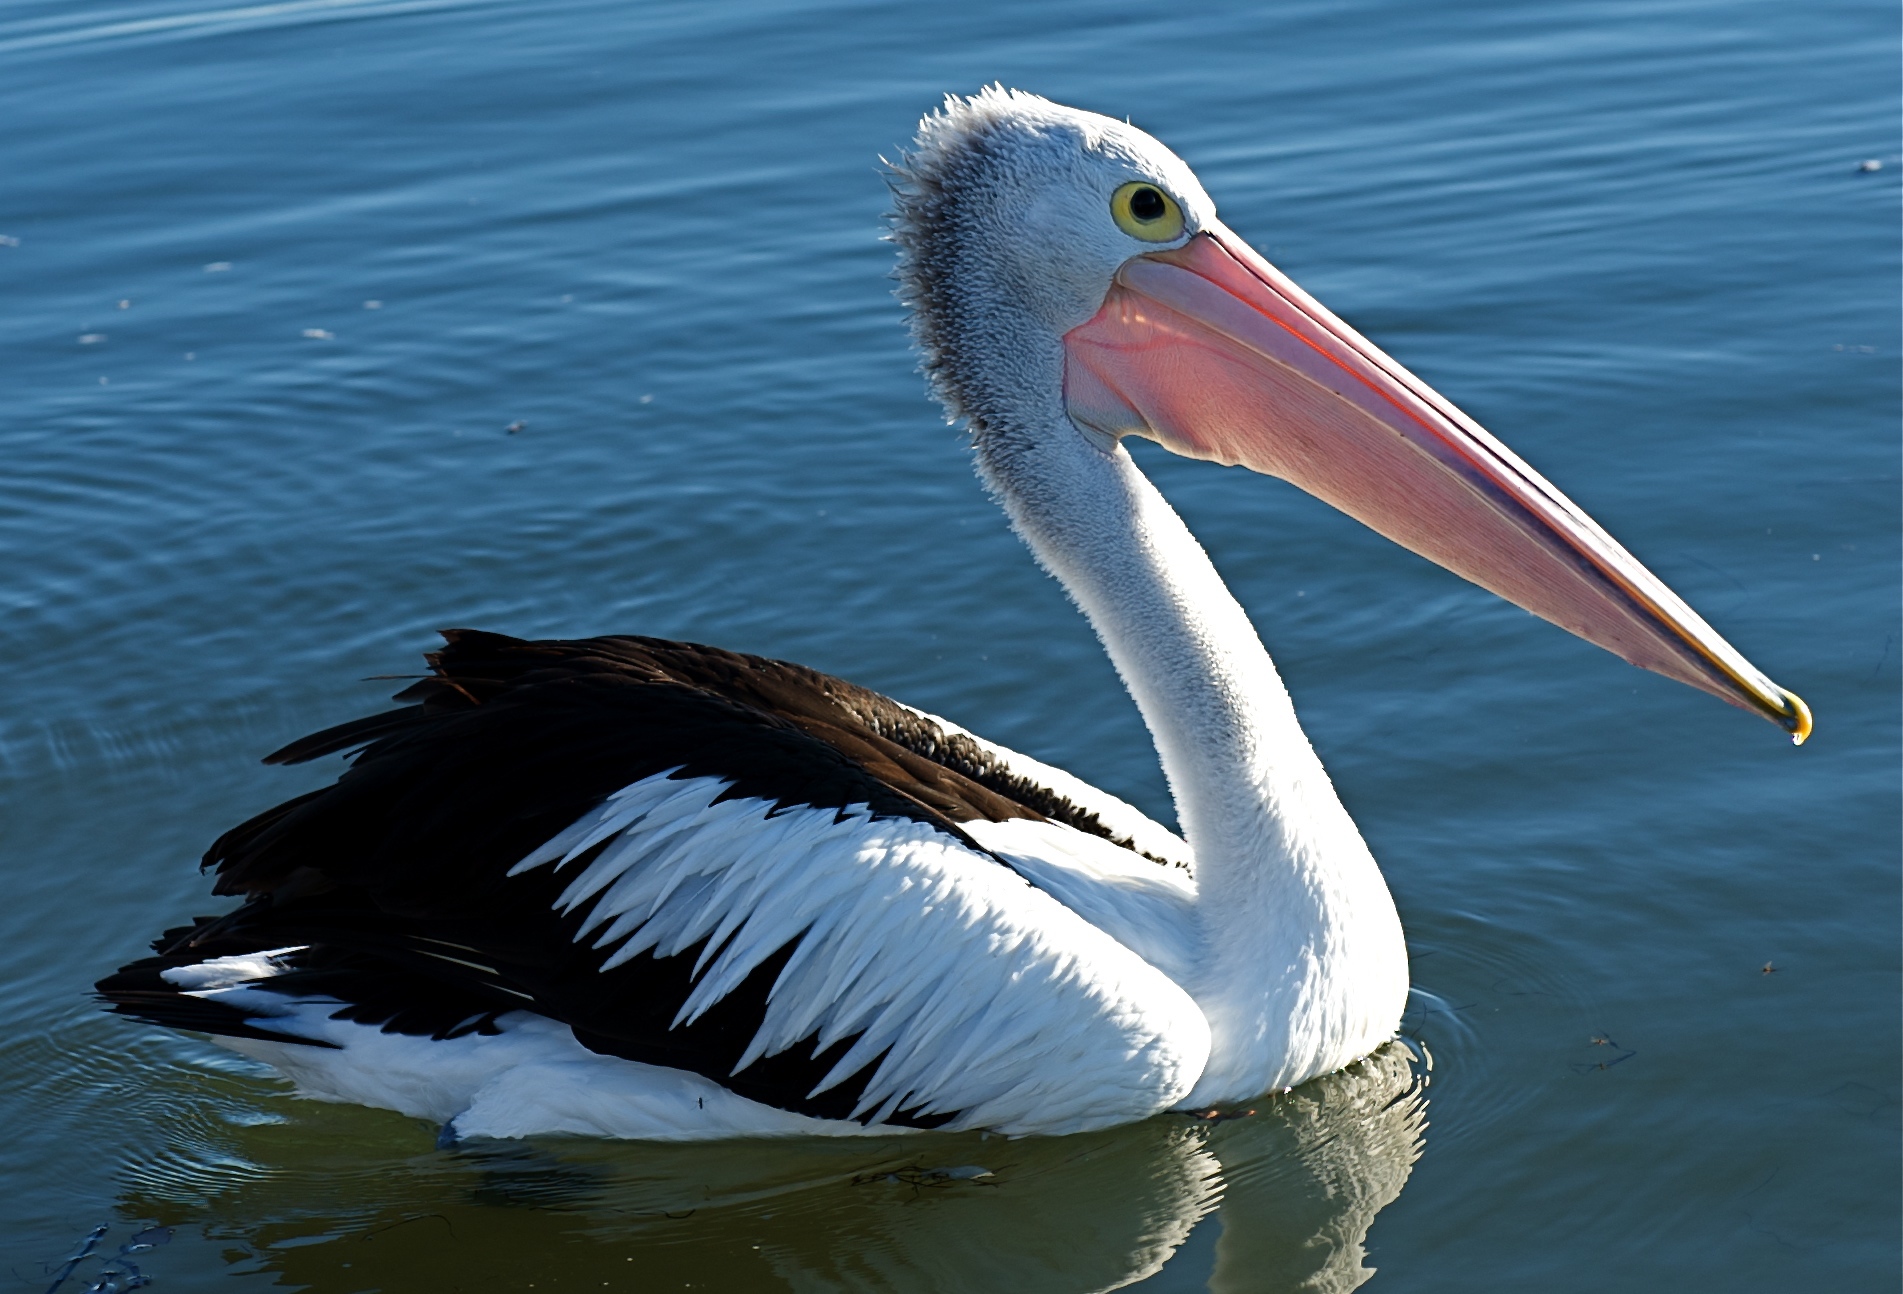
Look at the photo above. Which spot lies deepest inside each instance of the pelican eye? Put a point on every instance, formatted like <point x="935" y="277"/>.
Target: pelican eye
<point x="1144" y="211"/>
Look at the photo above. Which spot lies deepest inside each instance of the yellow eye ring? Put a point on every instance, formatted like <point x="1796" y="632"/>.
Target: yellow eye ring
<point x="1144" y="211"/>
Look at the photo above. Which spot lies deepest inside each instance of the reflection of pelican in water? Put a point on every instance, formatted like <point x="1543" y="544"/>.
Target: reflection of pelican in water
<point x="1287" y="1195"/>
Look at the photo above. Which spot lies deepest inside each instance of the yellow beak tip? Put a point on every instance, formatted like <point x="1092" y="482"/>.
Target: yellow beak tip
<point x="1797" y="717"/>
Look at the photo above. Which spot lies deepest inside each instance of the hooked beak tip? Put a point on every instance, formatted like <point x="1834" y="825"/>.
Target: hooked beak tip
<point x="1797" y="719"/>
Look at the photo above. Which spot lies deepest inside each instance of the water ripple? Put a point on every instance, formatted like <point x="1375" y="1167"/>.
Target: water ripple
<point x="93" y="28"/>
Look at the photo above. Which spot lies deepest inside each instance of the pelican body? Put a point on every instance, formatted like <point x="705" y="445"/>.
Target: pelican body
<point x="637" y="888"/>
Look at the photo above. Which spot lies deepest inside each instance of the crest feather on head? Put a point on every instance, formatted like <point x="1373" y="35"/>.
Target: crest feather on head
<point x="925" y="182"/>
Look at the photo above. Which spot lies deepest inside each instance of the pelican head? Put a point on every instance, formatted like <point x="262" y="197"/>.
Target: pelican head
<point x="1067" y="275"/>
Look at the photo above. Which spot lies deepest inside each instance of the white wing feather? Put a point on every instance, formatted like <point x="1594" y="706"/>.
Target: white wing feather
<point x="970" y="989"/>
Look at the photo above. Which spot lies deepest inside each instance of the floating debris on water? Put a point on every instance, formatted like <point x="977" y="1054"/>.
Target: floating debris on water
<point x="1603" y="1039"/>
<point x="1871" y="164"/>
<point x="320" y="334"/>
<point x="514" y="427"/>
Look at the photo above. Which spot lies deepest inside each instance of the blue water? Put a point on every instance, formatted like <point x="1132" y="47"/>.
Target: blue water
<point x="278" y="278"/>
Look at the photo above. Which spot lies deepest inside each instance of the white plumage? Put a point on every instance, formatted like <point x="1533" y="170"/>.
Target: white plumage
<point x="976" y="993"/>
<point x="949" y="969"/>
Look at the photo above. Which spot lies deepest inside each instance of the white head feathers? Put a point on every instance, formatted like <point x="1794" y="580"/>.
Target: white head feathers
<point x="1006" y="241"/>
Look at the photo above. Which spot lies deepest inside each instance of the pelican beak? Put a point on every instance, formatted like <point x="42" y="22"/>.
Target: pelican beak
<point x="1213" y="353"/>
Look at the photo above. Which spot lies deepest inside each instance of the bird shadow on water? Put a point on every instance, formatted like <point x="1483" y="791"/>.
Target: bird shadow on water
<point x="1289" y="1184"/>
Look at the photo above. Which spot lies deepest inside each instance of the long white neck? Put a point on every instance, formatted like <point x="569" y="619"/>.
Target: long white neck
<point x="1303" y="968"/>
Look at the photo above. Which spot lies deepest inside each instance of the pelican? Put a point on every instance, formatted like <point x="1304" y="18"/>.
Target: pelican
<point x="629" y="887"/>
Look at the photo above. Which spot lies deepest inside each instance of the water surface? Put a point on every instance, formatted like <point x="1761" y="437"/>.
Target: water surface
<point x="279" y="278"/>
